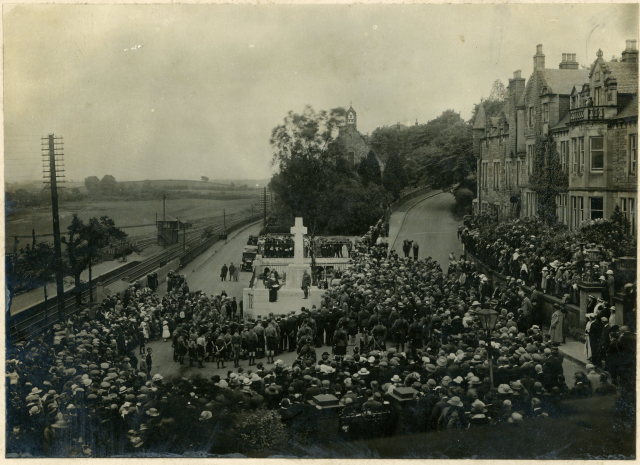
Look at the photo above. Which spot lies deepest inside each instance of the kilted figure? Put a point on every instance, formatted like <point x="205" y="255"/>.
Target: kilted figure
<point x="219" y="350"/>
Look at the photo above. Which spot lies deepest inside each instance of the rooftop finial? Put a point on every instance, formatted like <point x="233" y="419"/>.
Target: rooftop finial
<point x="599" y="54"/>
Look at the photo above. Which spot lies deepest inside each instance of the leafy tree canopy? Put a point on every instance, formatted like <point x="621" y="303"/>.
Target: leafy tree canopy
<point x="315" y="181"/>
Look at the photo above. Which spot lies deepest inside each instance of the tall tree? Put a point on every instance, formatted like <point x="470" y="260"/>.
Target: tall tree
<point x="306" y="158"/>
<point x="108" y="184"/>
<point x="92" y="183"/>
<point x="450" y="158"/>
<point x="369" y="170"/>
<point x="394" y="178"/>
<point x="99" y="234"/>
<point x="83" y="244"/>
<point x="492" y="105"/>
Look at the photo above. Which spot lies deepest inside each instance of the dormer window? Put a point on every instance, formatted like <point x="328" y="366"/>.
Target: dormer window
<point x="544" y="90"/>
<point x="597" y="78"/>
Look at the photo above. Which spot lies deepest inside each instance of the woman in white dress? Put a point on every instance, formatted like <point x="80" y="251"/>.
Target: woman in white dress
<point x="165" y="330"/>
<point x="545" y="276"/>
<point x="587" y="345"/>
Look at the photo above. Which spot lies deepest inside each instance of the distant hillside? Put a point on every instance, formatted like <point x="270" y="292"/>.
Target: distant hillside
<point x="175" y="183"/>
<point x="240" y="182"/>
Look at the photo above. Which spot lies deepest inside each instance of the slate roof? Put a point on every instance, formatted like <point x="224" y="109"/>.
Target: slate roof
<point x="562" y="81"/>
<point x="626" y="75"/>
<point x="630" y="110"/>
<point x="481" y="119"/>
<point x="563" y="122"/>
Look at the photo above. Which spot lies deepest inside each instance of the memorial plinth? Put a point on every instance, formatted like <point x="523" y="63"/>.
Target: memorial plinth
<point x="290" y="296"/>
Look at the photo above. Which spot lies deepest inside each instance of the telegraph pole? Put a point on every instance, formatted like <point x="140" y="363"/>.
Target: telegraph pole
<point x="164" y="239"/>
<point x="224" y="220"/>
<point x="55" y="165"/>
<point x="265" y="206"/>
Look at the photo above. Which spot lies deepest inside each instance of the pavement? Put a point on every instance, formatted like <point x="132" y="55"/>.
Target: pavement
<point x="574" y="351"/>
<point x="29" y="299"/>
<point x="203" y="273"/>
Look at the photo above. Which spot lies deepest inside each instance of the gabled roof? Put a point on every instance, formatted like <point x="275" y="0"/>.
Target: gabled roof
<point x="562" y="81"/>
<point x="630" y="110"/>
<point x="481" y="118"/>
<point x="626" y="75"/>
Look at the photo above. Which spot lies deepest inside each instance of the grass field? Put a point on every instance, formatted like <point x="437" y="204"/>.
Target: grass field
<point x="124" y="213"/>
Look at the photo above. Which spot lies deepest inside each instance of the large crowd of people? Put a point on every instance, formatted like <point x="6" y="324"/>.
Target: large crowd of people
<point x="276" y="245"/>
<point x="524" y="250"/>
<point x="327" y="247"/>
<point x="392" y="322"/>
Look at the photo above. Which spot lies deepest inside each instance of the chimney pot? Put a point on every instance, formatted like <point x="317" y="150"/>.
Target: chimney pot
<point x="538" y="58"/>
<point x="517" y="74"/>
<point x="564" y="57"/>
<point x="630" y="54"/>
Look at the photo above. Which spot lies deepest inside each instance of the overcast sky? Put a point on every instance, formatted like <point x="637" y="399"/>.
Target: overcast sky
<point x="201" y="95"/>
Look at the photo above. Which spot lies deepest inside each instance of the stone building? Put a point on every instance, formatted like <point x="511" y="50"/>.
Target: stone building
<point x="599" y="142"/>
<point x="543" y="106"/>
<point x="591" y="114"/>
<point x="355" y="146"/>
<point x="495" y="146"/>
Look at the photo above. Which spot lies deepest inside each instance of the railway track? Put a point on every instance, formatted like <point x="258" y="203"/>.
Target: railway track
<point x="203" y="223"/>
<point x="27" y="326"/>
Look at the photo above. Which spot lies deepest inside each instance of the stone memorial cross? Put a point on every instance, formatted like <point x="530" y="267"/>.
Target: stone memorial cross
<point x="298" y="232"/>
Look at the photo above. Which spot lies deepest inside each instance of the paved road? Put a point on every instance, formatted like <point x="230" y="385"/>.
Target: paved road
<point x="432" y="225"/>
<point x="203" y="273"/>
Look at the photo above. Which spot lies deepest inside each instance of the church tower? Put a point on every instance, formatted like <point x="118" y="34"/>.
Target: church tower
<point x="351" y="118"/>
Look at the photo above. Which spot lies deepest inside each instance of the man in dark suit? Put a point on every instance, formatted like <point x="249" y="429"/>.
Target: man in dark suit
<point x="604" y="339"/>
<point x="595" y="332"/>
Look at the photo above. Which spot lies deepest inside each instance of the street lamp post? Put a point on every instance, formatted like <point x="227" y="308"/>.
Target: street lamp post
<point x="488" y="319"/>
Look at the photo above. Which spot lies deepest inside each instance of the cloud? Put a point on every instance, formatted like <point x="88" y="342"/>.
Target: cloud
<point x="222" y="76"/>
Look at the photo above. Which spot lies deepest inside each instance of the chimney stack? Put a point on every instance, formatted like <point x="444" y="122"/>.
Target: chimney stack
<point x="538" y="59"/>
<point x="516" y="87"/>
<point x="569" y="61"/>
<point x="630" y="55"/>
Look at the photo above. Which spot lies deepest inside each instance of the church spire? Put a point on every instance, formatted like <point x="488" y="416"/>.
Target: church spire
<point x="351" y="117"/>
